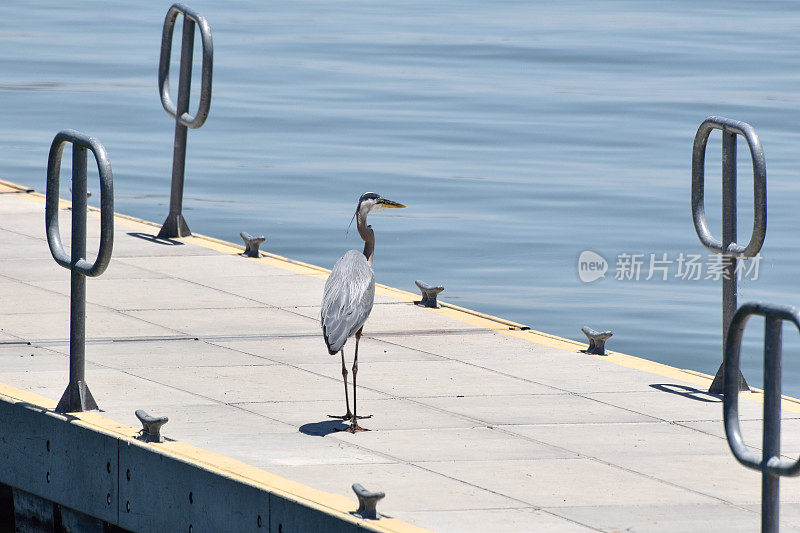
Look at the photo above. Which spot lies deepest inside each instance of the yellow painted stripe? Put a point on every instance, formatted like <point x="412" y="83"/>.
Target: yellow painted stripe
<point x="7" y="186"/>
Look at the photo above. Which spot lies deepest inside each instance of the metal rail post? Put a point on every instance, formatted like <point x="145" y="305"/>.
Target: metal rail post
<point x="770" y="462"/>
<point x="175" y="225"/>
<point x="77" y="396"/>
<point x="730" y="250"/>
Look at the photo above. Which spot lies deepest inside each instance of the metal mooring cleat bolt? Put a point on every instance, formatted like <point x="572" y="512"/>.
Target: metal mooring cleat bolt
<point x="597" y="340"/>
<point x="429" y="294"/>
<point x="251" y="244"/>
<point x="151" y="426"/>
<point x="367" y="501"/>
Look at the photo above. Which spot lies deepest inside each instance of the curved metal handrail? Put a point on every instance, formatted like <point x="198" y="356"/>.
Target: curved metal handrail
<point x="190" y="17"/>
<point x="80" y="142"/>
<point x="759" y="187"/>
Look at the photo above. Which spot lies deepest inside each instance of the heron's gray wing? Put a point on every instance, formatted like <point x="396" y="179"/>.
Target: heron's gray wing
<point x="347" y="299"/>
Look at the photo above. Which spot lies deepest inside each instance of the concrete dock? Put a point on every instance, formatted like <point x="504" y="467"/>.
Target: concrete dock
<point x="478" y="424"/>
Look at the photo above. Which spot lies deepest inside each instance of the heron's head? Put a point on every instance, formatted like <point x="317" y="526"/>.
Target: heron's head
<point x="370" y="202"/>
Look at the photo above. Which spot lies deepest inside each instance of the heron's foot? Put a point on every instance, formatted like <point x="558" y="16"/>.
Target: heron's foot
<point x="365" y="416"/>
<point x="355" y="427"/>
<point x="348" y="416"/>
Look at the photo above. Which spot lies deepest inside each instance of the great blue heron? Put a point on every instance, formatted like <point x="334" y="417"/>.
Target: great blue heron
<point x="349" y="295"/>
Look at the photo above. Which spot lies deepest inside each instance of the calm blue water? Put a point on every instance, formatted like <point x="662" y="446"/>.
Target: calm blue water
<point x="518" y="134"/>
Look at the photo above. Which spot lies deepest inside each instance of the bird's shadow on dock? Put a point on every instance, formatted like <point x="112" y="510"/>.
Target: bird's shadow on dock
<point x="323" y="428"/>
<point x="688" y="392"/>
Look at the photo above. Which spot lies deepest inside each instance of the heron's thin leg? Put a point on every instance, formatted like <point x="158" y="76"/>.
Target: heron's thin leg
<point x="349" y="415"/>
<point x="354" y="423"/>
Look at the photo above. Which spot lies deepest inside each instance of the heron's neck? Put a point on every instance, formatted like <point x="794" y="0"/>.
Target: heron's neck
<point x="368" y="235"/>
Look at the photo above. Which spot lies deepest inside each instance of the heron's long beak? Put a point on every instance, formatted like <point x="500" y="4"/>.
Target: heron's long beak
<point x="383" y="202"/>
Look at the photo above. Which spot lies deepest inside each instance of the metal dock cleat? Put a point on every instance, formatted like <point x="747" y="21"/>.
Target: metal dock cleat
<point x="367" y="501"/>
<point x="251" y="244"/>
<point x="597" y="340"/>
<point x="429" y="294"/>
<point x="151" y="426"/>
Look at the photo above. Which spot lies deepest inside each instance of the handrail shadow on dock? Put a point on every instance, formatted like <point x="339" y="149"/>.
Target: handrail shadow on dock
<point x="153" y="238"/>
<point x="688" y="392"/>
